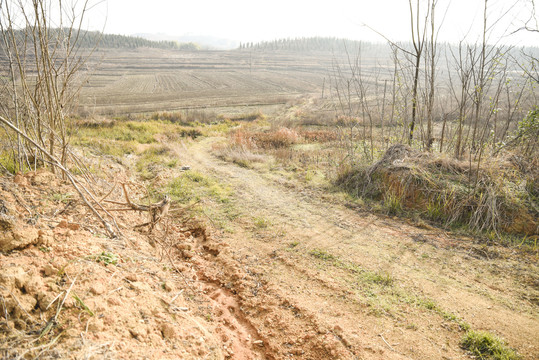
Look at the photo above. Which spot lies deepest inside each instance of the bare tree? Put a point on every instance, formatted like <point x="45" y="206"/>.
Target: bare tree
<point x="460" y="90"/>
<point x="43" y="64"/>
<point x="418" y="41"/>
<point x="430" y="66"/>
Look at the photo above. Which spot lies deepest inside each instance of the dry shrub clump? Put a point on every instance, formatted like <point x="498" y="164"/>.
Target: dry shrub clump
<point x="186" y="117"/>
<point x="243" y="139"/>
<point x="257" y="115"/>
<point x="284" y="137"/>
<point x="498" y="196"/>
<point x="240" y="149"/>
<point x="319" y="136"/>
<point x="244" y="145"/>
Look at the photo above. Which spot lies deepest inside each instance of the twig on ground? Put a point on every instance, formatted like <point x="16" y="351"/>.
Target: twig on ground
<point x="382" y="336"/>
<point x="43" y="348"/>
<point x="110" y="192"/>
<point x="157" y="211"/>
<point x="175" y="297"/>
<point x="18" y="303"/>
<point x="65" y="298"/>
<point x="53" y="301"/>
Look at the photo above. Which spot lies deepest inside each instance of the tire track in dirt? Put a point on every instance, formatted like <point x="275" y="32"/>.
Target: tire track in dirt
<point x="321" y="298"/>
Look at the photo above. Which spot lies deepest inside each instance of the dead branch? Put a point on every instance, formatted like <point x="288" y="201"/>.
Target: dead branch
<point x="157" y="211"/>
<point x="76" y="184"/>
<point x="382" y="336"/>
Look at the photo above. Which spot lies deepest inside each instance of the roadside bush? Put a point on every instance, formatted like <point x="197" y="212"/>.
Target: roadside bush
<point x="284" y="137"/>
<point x="494" y="198"/>
<point x="240" y="155"/>
<point x="243" y="139"/>
<point x="186" y="117"/>
<point x="487" y="346"/>
<point x="320" y="136"/>
<point x="257" y="115"/>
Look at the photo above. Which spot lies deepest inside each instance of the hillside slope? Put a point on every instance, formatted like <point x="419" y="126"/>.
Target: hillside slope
<point x="275" y="271"/>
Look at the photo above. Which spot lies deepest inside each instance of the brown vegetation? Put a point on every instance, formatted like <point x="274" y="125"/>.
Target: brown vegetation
<point x="496" y="197"/>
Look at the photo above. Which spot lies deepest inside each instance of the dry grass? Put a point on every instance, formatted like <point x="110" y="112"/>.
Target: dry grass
<point x="282" y="138"/>
<point x="186" y="117"/>
<point x="244" y="146"/>
<point x="256" y="115"/>
<point x="496" y="197"/>
<point x="318" y="136"/>
<point x="240" y="155"/>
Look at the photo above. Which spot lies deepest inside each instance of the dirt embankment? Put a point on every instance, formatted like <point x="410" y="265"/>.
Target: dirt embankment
<point x="67" y="291"/>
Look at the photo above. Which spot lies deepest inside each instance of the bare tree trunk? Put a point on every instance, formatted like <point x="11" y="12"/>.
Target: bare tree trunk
<point x="418" y="41"/>
<point x="431" y="76"/>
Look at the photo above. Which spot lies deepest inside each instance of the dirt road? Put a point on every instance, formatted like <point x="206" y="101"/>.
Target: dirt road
<point x="322" y="281"/>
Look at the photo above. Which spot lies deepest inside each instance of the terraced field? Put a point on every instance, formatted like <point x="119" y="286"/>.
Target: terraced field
<point x="150" y="80"/>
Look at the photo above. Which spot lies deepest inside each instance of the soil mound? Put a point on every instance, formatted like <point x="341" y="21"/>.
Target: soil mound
<point x="498" y="195"/>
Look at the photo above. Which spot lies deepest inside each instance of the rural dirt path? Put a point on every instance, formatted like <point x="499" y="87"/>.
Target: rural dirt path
<point x="321" y="280"/>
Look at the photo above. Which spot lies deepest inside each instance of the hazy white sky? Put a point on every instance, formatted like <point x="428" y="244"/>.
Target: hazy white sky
<point x="251" y="20"/>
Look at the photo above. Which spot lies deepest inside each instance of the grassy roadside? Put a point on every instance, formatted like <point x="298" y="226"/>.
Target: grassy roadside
<point x="496" y="201"/>
<point x="146" y="145"/>
<point x="381" y="292"/>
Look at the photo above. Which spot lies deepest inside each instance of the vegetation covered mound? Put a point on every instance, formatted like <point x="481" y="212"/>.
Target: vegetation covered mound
<point x="499" y="195"/>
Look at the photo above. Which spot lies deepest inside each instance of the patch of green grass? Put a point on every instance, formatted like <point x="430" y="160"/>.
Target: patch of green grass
<point x="261" y="223"/>
<point x="122" y="137"/>
<point x="435" y="210"/>
<point x="242" y="163"/>
<point x="153" y="159"/>
<point x="82" y="304"/>
<point x="202" y="196"/>
<point x="364" y="276"/>
<point x="381" y="278"/>
<point x="223" y="127"/>
<point x="431" y="305"/>
<point x="393" y="203"/>
<point x="138" y="132"/>
<point x="428" y="304"/>
<point x="8" y="163"/>
<point x="107" y="147"/>
<point x="484" y="345"/>
<point x="192" y="186"/>
<point x="322" y="254"/>
<point x="378" y="287"/>
<point x="106" y="258"/>
<point x="61" y="197"/>
<point x="256" y="115"/>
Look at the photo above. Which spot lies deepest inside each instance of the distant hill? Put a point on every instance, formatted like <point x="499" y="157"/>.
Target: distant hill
<point x="91" y="39"/>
